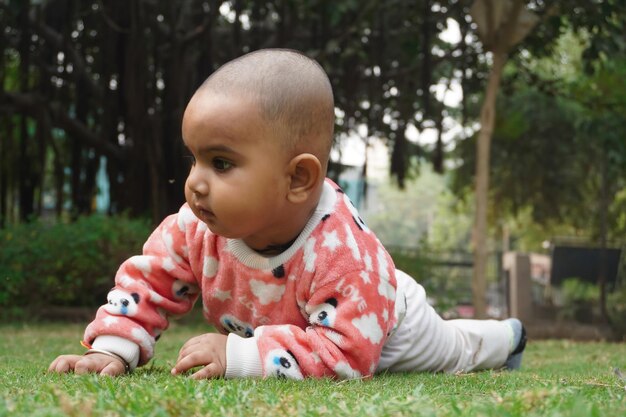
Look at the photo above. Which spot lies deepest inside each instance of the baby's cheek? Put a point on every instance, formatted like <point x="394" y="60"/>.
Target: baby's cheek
<point x="188" y="194"/>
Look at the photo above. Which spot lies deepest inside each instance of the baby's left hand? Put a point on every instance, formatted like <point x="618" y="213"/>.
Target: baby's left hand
<point x="208" y="350"/>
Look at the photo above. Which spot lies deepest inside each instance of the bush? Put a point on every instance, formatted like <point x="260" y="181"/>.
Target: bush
<point x="416" y="266"/>
<point x="70" y="265"/>
<point x="444" y="285"/>
<point x="582" y="303"/>
<point x="580" y="300"/>
<point x="616" y="309"/>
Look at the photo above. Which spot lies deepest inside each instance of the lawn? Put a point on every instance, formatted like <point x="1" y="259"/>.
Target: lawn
<point x="559" y="378"/>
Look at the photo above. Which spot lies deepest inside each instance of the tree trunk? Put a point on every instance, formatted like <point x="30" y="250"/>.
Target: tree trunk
<point x="427" y="67"/>
<point x="604" y="208"/>
<point x="479" y="238"/>
<point x="26" y="186"/>
<point x="5" y="150"/>
<point x="138" y="176"/>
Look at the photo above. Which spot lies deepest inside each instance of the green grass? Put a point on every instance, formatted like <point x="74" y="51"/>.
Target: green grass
<point x="560" y="378"/>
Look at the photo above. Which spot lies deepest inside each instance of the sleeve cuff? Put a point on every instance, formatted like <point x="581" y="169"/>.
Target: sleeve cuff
<point x="120" y="346"/>
<point x="242" y="357"/>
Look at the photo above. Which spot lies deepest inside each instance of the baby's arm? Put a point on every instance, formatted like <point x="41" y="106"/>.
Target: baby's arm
<point x="149" y="288"/>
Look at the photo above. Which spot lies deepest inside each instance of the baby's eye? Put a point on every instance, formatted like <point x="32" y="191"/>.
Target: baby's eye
<point x="221" y="165"/>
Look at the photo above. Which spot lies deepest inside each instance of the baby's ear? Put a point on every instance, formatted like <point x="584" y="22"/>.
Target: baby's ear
<point x="306" y="175"/>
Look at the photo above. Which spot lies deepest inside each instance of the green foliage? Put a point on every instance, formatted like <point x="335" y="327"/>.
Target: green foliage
<point x="558" y="156"/>
<point x="578" y="291"/>
<point x="558" y="378"/>
<point x="580" y="300"/>
<point x="445" y="285"/>
<point x="427" y="231"/>
<point x="537" y="159"/>
<point x="618" y="212"/>
<point x="581" y="303"/>
<point x="411" y="263"/>
<point x="64" y="264"/>
<point x="616" y="308"/>
<point x="382" y="57"/>
<point x="425" y="214"/>
<point x="425" y="228"/>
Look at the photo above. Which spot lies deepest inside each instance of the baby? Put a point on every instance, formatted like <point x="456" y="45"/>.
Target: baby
<point x="287" y="271"/>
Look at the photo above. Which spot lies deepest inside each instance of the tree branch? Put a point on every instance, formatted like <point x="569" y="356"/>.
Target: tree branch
<point x="31" y="104"/>
<point x="80" y="68"/>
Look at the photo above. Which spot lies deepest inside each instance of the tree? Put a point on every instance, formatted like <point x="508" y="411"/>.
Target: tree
<point x="604" y="133"/>
<point x="501" y="25"/>
<point x="499" y="39"/>
<point x="88" y="82"/>
<point x="92" y="81"/>
<point x="558" y="151"/>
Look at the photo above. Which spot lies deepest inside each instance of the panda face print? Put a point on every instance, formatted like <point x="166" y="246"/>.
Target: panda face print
<point x="282" y="364"/>
<point x="324" y="314"/>
<point x="279" y="271"/>
<point x="181" y="289"/>
<point x="122" y="303"/>
<point x="233" y="325"/>
<point x="355" y="214"/>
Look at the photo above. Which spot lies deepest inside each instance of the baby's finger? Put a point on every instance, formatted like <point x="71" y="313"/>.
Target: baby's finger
<point x="113" y="369"/>
<point x="190" y="346"/>
<point x="84" y="366"/>
<point x="56" y="366"/>
<point x="189" y="361"/>
<point x="63" y="364"/>
<point x="212" y="370"/>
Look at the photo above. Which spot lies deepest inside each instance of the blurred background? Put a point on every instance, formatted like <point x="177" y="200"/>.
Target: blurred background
<point x="483" y="141"/>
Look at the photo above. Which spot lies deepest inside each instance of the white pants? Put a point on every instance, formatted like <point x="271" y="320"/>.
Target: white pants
<point x="423" y="341"/>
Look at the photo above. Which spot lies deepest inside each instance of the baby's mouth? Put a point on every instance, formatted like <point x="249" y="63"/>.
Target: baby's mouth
<point x="206" y="214"/>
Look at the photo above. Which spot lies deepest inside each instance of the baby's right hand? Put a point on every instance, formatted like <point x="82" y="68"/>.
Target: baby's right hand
<point x="94" y="363"/>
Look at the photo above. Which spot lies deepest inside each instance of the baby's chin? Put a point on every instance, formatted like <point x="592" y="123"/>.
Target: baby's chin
<point x="216" y="230"/>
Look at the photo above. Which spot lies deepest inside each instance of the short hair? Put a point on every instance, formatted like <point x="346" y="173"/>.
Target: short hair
<point x="293" y="91"/>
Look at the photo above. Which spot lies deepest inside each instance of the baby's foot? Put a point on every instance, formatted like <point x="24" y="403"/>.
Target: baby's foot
<point x="514" y="361"/>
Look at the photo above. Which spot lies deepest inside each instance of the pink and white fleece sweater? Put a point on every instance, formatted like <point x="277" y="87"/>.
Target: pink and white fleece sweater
<point x="323" y="307"/>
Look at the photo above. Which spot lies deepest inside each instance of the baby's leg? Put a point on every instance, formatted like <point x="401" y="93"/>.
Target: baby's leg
<point x="426" y="342"/>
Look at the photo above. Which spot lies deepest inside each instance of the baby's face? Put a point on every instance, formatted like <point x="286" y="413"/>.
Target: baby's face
<point x="239" y="180"/>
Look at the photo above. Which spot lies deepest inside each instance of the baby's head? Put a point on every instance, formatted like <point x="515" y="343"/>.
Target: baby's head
<point x="260" y="129"/>
<point x="292" y="91"/>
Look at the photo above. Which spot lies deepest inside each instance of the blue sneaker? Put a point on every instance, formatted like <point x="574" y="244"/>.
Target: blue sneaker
<point x="514" y="361"/>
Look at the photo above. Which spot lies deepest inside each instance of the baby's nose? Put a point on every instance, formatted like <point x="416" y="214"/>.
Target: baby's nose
<point x="197" y="182"/>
